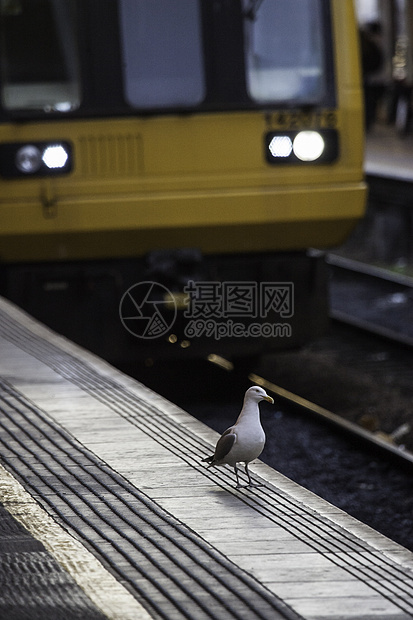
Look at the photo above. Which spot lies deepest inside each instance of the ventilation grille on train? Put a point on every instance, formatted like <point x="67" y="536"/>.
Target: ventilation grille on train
<point x="113" y="155"/>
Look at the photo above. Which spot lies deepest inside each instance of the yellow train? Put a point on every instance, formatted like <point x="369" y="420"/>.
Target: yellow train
<point x="131" y="130"/>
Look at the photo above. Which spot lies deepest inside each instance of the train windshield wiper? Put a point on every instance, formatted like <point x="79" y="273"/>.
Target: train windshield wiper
<point x="252" y="10"/>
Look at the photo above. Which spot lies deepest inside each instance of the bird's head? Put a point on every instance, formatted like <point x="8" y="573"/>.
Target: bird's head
<point x="258" y="394"/>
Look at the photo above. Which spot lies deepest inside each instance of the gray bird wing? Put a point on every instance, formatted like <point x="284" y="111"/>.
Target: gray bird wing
<point x="225" y="443"/>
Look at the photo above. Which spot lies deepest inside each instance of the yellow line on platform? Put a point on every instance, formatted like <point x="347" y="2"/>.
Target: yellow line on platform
<point x="109" y="596"/>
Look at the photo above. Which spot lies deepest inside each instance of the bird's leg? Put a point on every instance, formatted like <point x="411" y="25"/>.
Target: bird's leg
<point x="250" y="483"/>
<point x="237" y="475"/>
<point x="247" y="471"/>
<point x="239" y="485"/>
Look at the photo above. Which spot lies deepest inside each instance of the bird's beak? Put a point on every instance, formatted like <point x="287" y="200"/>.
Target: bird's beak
<point x="269" y="399"/>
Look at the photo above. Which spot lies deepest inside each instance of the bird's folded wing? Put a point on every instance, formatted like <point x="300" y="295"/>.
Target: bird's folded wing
<point x="224" y="445"/>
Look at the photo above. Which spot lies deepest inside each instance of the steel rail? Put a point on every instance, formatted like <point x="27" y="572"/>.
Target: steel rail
<point x="379" y="273"/>
<point x="371" y="440"/>
<point x="350" y="264"/>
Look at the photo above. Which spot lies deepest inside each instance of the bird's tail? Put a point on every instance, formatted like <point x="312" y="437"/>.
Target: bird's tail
<point x="208" y="459"/>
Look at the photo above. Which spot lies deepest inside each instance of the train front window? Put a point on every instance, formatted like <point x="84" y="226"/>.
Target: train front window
<point x="39" y="67"/>
<point x="162" y="53"/>
<point x="284" y="51"/>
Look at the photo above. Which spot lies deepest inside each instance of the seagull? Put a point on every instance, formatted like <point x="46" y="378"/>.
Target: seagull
<point x="245" y="440"/>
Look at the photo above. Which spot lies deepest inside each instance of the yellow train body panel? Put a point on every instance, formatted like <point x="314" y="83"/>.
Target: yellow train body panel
<point x="173" y="183"/>
<point x="199" y="180"/>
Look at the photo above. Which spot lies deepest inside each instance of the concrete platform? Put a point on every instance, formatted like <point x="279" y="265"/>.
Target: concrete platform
<point x="107" y="475"/>
<point x="389" y="155"/>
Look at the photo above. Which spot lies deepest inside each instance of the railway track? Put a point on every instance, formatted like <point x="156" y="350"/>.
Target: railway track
<point x="372" y="298"/>
<point x="381" y="444"/>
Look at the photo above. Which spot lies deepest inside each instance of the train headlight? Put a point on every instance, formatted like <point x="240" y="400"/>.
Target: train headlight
<point x="302" y="147"/>
<point x="308" y="145"/>
<point x="28" y="159"/>
<point x="37" y="159"/>
<point x="280" y="146"/>
<point x="55" y="156"/>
